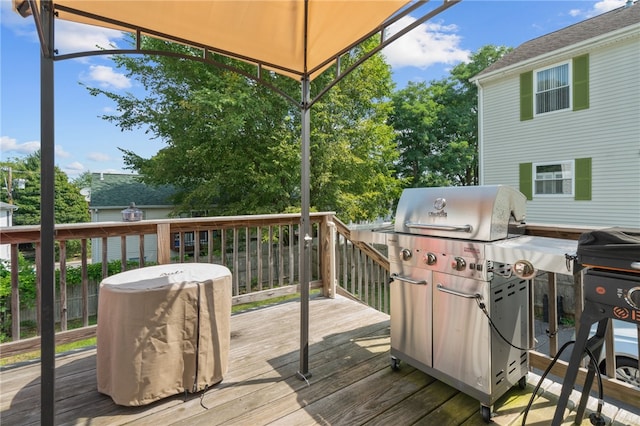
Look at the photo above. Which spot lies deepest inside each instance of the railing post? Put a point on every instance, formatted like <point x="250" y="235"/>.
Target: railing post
<point x="328" y="257"/>
<point x="15" y="294"/>
<point x="163" y="232"/>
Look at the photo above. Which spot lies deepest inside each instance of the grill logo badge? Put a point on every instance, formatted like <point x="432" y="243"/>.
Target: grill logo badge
<point x="439" y="204"/>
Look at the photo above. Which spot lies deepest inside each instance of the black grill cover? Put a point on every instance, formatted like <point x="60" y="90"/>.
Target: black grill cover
<point x="611" y="248"/>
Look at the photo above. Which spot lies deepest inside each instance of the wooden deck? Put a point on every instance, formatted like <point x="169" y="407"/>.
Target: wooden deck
<point x="351" y="383"/>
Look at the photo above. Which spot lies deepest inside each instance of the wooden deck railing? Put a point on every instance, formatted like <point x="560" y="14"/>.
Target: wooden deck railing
<point x="262" y="253"/>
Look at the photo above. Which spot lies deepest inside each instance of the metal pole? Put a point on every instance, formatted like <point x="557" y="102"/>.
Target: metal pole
<point x="305" y="231"/>
<point x="47" y="219"/>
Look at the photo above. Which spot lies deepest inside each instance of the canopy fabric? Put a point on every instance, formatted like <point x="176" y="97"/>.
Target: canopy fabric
<point x="293" y="37"/>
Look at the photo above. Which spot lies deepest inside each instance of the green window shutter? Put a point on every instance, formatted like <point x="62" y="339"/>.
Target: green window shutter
<point x="583" y="179"/>
<point x="581" y="82"/>
<point x="526" y="180"/>
<point x="526" y="96"/>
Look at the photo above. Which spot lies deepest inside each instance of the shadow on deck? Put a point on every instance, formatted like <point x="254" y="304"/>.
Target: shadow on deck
<point x="351" y="383"/>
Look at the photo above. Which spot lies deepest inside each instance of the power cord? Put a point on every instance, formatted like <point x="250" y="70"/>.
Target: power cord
<point x="483" y="308"/>
<point x="596" y="418"/>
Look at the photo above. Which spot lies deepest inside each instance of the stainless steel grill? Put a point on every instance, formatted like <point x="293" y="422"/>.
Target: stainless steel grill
<point x="460" y="263"/>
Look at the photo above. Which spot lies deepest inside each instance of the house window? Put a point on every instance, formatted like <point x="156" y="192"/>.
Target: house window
<point x="553" y="178"/>
<point x="553" y="89"/>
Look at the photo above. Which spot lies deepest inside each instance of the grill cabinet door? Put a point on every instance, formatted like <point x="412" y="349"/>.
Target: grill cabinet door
<point x="461" y="335"/>
<point x="411" y="307"/>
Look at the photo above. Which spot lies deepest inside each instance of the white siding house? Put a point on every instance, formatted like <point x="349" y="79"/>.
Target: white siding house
<point x="110" y="194"/>
<point x="559" y="118"/>
<point x="6" y="220"/>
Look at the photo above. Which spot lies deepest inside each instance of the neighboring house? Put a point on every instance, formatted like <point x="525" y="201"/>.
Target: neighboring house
<point x="112" y="193"/>
<point x="559" y="118"/>
<point x="6" y="220"/>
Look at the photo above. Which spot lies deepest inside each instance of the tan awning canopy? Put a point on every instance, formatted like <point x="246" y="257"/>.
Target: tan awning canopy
<point x="295" y="37"/>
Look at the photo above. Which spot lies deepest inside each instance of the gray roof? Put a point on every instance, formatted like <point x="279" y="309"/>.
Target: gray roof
<point x="7" y="206"/>
<point x="590" y="28"/>
<point x="112" y="189"/>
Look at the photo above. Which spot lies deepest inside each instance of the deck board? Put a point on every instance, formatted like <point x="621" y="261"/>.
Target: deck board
<point x="350" y="384"/>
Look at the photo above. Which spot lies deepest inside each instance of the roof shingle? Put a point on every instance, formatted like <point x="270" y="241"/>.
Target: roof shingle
<point x="111" y="189"/>
<point x="590" y="28"/>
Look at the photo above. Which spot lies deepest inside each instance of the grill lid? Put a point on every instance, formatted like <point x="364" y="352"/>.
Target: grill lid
<point x="612" y="248"/>
<point x="482" y="213"/>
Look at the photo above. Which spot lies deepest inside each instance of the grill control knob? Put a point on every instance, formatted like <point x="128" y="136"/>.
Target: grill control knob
<point x="458" y="264"/>
<point x="406" y="254"/>
<point x="633" y="297"/>
<point x="430" y="259"/>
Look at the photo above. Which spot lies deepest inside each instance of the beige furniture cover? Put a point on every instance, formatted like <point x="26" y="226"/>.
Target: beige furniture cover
<point x="162" y="330"/>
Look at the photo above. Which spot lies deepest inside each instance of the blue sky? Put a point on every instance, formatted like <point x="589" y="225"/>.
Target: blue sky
<point x="85" y="142"/>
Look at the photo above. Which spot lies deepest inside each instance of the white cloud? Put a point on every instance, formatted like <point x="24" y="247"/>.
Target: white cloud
<point x="60" y="152"/>
<point x="106" y="77"/>
<point x="598" y="8"/>
<point x="18" y="24"/>
<point x="607" y="5"/>
<point x="428" y="44"/>
<point x="98" y="156"/>
<point x="74" y="168"/>
<point x="8" y="144"/>
<point x="115" y="171"/>
<point x="73" y="37"/>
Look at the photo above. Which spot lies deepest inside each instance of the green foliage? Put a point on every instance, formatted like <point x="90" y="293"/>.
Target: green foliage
<point x="26" y="279"/>
<point x="69" y="205"/>
<point x="233" y="147"/>
<point x="26" y="289"/>
<point x="27" y="284"/>
<point x="437" y="125"/>
<point x="353" y="149"/>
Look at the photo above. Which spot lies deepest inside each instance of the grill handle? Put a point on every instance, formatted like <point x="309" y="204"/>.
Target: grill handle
<point x="458" y="293"/>
<point x="635" y="265"/>
<point x="408" y="280"/>
<point x="461" y="228"/>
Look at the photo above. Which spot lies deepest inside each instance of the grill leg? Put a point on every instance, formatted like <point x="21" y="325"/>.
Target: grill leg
<point x="592" y="313"/>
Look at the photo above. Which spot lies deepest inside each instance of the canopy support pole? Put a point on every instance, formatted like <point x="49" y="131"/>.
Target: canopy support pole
<point x="305" y="229"/>
<point x="47" y="218"/>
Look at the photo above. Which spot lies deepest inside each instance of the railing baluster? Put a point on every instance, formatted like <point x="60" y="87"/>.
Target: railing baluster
<point x="259" y="256"/>
<point x="210" y="246"/>
<point x="292" y="244"/>
<point x="236" y="264"/>
<point x="247" y="259"/>
<point x="15" y="294"/>
<point x="181" y="246"/>
<point x="553" y="314"/>
<point x="196" y="245"/>
<point x="63" y="285"/>
<point x="105" y="263"/>
<point x="38" y="291"/>
<point x="141" y="253"/>
<point x="123" y="253"/>
<point x="345" y="269"/>
<point x="85" y="283"/>
<point x="280" y="256"/>
<point x="270" y="256"/>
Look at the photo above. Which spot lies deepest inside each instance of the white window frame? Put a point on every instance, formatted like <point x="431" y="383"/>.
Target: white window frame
<point x="571" y="175"/>
<point x="535" y="88"/>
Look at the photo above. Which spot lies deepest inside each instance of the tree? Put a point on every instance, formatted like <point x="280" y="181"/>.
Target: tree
<point x="415" y="112"/>
<point x="232" y="146"/>
<point x="70" y="206"/>
<point x="437" y="125"/>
